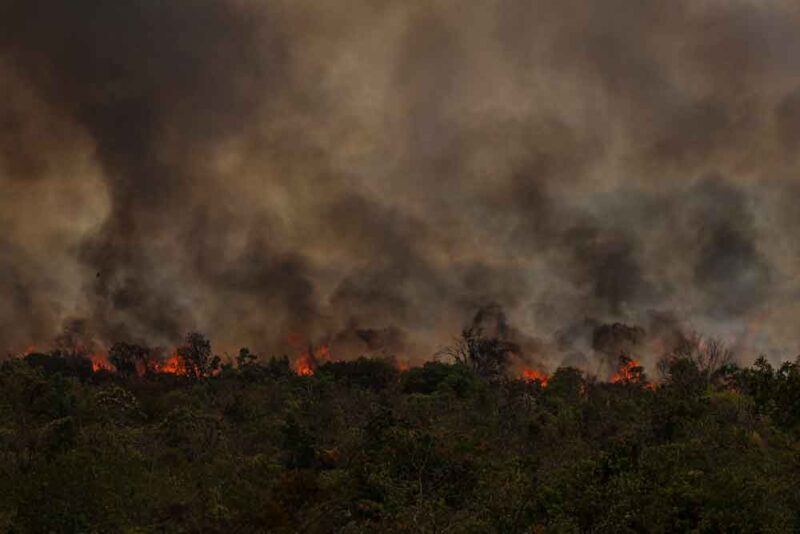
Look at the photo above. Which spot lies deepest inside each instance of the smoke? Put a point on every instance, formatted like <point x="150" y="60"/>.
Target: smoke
<point x="374" y="174"/>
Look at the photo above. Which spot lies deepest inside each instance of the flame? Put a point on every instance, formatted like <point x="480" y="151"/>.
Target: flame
<point x="100" y="363"/>
<point x="307" y="362"/>
<point x="630" y="372"/>
<point x="532" y="375"/>
<point x="403" y="366"/>
<point x="304" y="367"/>
<point x="174" y="365"/>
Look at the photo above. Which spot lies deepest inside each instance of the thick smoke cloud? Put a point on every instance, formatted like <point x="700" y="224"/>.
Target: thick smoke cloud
<point x="373" y="174"/>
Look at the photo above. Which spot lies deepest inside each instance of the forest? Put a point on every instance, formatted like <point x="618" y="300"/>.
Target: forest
<point x="458" y="444"/>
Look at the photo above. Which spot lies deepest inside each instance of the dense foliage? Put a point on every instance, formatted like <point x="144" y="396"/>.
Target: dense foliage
<point x="363" y="447"/>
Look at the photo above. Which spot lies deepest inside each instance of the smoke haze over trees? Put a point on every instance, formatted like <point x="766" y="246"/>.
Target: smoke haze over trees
<point x="373" y="174"/>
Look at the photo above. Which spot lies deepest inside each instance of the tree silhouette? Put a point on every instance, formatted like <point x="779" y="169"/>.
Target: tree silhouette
<point x="196" y="356"/>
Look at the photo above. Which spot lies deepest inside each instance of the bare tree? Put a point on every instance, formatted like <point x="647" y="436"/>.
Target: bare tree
<point x="488" y="357"/>
<point x="708" y="356"/>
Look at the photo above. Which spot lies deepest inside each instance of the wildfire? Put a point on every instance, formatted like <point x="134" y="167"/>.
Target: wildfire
<point x="100" y="363"/>
<point x="174" y="365"/>
<point x="630" y="372"/>
<point x="307" y="362"/>
<point x="532" y="375"/>
<point x="304" y="367"/>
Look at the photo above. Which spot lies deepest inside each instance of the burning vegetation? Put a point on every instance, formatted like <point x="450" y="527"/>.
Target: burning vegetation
<point x="306" y="362"/>
<point x="533" y="375"/>
<point x="489" y="348"/>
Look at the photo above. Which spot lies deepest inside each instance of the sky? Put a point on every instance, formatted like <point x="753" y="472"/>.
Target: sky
<point x="373" y="174"/>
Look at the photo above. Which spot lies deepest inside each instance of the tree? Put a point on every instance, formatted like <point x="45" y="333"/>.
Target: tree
<point x="710" y="357"/>
<point x="245" y="358"/>
<point x="488" y="357"/>
<point x="125" y="357"/>
<point x="196" y="356"/>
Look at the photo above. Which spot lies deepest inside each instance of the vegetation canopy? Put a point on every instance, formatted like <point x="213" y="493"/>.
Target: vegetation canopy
<point x="260" y="445"/>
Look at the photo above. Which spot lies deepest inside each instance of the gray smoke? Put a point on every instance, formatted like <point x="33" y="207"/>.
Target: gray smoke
<point x="374" y="174"/>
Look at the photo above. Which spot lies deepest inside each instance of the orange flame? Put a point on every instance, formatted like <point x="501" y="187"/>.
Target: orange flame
<point x="307" y="362"/>
<point x="630" y="372"/>
<point x="100" y="363"/>
<point x="304" y="367"/>
<point x="532" y="375"/>
<point x="174" y="365"/>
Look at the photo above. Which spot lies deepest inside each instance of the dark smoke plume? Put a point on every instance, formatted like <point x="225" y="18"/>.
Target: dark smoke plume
<point x="373" y="174"/>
